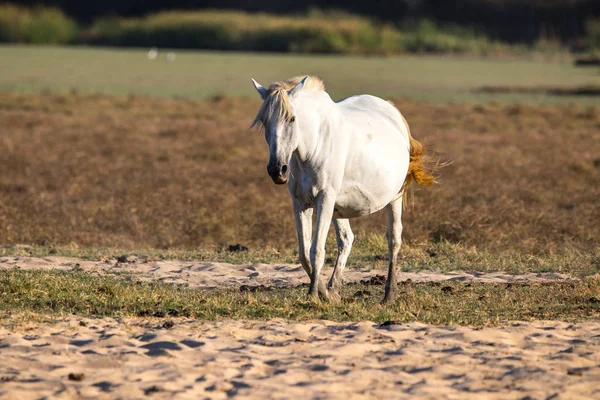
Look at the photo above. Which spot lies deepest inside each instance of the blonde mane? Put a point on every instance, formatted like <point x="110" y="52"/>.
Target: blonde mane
<point x="277" y="104"/>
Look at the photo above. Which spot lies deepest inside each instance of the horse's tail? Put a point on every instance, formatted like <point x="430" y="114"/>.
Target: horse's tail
<point x="422" y="167"/>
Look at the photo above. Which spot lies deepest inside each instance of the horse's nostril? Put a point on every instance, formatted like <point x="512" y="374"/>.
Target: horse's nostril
<point x="283" y="170"/>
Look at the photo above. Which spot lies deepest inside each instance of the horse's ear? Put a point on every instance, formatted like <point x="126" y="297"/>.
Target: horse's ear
<point x="293" y="92"/>
<point x="264" y="93"/>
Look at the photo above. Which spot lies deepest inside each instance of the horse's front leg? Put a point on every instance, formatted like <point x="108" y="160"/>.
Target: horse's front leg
<point x="303" y="217"/>
<point x="324" y="203"/>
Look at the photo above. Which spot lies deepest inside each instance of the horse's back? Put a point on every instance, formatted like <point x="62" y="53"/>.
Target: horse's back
<point x="367" y="110"/>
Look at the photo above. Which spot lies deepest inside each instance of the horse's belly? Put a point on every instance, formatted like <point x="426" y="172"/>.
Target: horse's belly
<point x="356" y="201"/>
<point x="371" y="189"/>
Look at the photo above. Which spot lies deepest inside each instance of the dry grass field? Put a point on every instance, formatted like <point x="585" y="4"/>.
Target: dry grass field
<point x="133" y="172"/>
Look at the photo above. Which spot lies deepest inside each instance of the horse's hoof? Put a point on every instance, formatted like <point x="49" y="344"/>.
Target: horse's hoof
<point x="334" y="297"/>
<point x="313" y="296"/>
<point x="323" y="292"/>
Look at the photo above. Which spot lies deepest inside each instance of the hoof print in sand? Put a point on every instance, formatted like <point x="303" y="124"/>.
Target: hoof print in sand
<point x="105" y="386"/>
<point x="192" y="343"/>
<point x="77" y="377"/>
<point x="160" y="348"/>
<point x="152" y="389"/>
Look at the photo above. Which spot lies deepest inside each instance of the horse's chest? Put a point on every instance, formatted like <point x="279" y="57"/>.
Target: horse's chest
<point x="302" y="188"/>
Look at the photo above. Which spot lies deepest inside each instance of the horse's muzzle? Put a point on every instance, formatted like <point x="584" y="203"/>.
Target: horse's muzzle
<point x="279" y="174"/>
<point x="279" y="180"/>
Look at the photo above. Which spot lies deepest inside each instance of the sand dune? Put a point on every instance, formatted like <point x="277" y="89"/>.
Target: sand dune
<point x="135" y="358"/>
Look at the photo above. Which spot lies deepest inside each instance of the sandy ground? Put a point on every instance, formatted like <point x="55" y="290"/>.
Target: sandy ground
<point x="217" y="274"/>
<point x="134" y="358"/>
<point x="74" y="357"/>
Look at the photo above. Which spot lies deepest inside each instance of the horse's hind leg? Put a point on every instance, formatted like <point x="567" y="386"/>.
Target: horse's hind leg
<point x="393" y="212"/>
<point x="324" y="203"/>
<point x="345" y="237"/>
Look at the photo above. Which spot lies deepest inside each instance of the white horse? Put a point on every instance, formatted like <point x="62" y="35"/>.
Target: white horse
<point x="344" y="159"/>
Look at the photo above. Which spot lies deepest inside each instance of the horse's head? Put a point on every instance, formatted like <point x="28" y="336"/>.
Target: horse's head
<point x="277" y="117"/>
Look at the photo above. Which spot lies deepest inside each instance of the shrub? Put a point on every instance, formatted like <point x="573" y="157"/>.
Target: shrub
<point x="39" y="25"/>
<point x="425" y="36"/>
<point x="592" y="27"/>
<point x="226" y="30"/>
<point x="315" y="32"/>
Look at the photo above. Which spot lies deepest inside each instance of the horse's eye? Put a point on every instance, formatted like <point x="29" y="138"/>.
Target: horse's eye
<point x="292" y="119"/>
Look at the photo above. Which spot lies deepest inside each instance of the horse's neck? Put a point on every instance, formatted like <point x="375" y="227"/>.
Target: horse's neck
<point x="313" y="143"/>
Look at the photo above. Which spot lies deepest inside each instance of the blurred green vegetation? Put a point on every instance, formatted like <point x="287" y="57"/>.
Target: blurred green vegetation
<point x="593" y="34"/>
<point x="38" y="25"/>
<point x="239" y="31"/>
<point x="425" y="36"/>
<point x="316" y="31"/>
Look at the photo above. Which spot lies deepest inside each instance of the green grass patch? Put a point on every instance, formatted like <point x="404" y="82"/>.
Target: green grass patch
<point x="446" y="303"/>
<point x="196" y="74"/>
